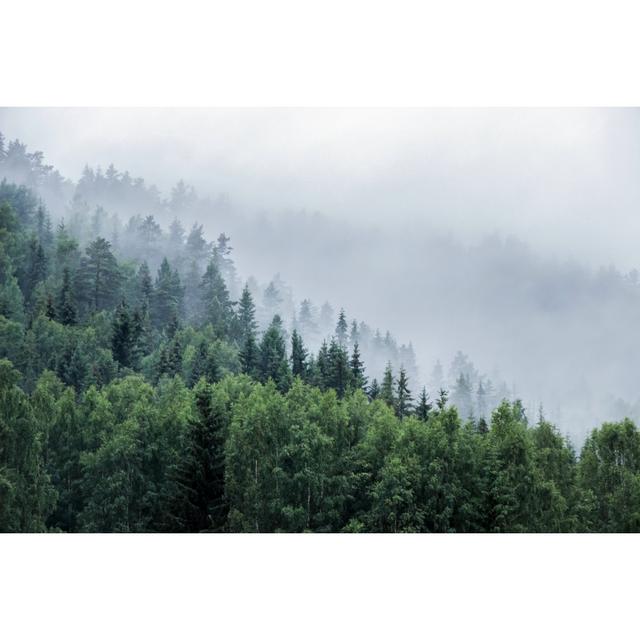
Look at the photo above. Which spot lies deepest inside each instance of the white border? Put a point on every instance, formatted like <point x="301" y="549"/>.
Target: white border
<point x="286" y="53"/>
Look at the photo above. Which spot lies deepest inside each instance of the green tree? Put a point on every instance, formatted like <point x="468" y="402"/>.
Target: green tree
<point x="386" y="388"/>
<point x="273" y="356"/>
<point x="202" y="470"/>
<point x="99" y="276"/>
<point x="423" y="407"/>
<point x="26" y="495"/>
<point x="358" y="378"/>
<point x="403" y="400"/>
<point x="609" y="478"/>
<point x="216" y="306"/>
<point x="124" y="338"/>
<point x="298" y="356"/>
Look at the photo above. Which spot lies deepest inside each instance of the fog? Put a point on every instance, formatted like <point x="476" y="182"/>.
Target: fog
<point x="507" y="234"/>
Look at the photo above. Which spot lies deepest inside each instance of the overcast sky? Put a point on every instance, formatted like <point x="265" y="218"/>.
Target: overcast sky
<point x="565" y="180"/>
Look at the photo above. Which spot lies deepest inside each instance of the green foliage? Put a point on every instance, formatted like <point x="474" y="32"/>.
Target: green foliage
<point x="134" y="406"/>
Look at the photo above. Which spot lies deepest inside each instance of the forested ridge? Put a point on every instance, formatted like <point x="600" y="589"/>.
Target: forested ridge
<point x="143" y="388"/>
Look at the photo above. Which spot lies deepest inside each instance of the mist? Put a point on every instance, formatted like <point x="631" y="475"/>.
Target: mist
<point x="507" y="234"/>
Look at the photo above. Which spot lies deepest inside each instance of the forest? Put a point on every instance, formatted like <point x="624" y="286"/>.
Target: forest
<point x="145" y="388"/>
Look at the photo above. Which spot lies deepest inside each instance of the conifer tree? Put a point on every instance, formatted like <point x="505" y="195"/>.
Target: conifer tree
<point x="403" y="395"/>
<point x="250" y="357"/>
<point x="167" y="295"/>
<point x="298" y="356"/>
<point x="339" y="373"/>
<point x="99" y="276"/>
<point x="374" y="390"/>
<point x="306" y="321"/>
<point x="358" y="379"/>
<point x="122" y="342"/>
<point x="66" y="310"/>
<point x="443" y="397"/>
<point x="323" y="366"/>
<point x="204" y="366"/>
<point x="202" y="474"/>
<point x="144" y="285"/>
<point x="246" y="316"/>
<point x="424" y="406"/>
<point x="341" y="329"/>
<point x="482" y="426"/>
<point x="273" y="356"/>
<point x="386" y="388"/>
<point x="216" y="306"/>
<point x="36" y="270"/>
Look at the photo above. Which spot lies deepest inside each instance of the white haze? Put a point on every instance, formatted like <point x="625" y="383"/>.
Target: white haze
<point x="479" y="230"/>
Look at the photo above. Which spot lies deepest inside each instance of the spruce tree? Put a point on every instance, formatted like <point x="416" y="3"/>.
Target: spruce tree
<point x="216" y="306"/>
<point x="358" y="379"/>
<point x="202" y="474"/>
<point x="273" y="356"/>
<point x="122" y="342"/>
<point x="341" y="329"/>
<point x="443" y="397"/>
<point x="339" y="373"/>
<point x="322" y="363"/>
<point x="250" y="357"/>
<point x="374" y="390"/>
<point x="204" y="365"/>
<point x="386" y="388"/>
<point x="298" y="356"/>
<point x="99" y="276"/>
<point x="246" y="316"/>
<point x="167" y="295"/>
<point x="144" y="285"/>
<point x="66" y="310"/>
<point x="423" y="407"/>
<point x="403" y="395"/>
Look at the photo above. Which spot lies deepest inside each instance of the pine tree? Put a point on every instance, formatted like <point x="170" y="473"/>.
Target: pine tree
<point x="36" y="270"/>
<point x="167" y="295"/>
<point x="423" y="407"/>
<point x="358" y="379"/>
<point x="403" y="395"/>
<point x="443" y="396"/>
<point x="462" y="396"/>
<point x="250" y="357"/>
<point x="339" y="373"/>
<point x="298" y="356"/>
<point x="197" y="247"/>
<point x="322" y="379"/>
<point x="216" y="306"/>
<point x="482" y="400"/>
<point x="99" y="276"/>
<point x="204" y="365"/>
<point x="246" y="316"/>
<point x="341" y="329"/>
<point x="202" y="474"/>
<point x="272" y="299"/>
<point x="66" y="310"/>
<point x="306" y="321"/>
<point x="374" y="390"/>
<point x="273" y="356"/>
<point x="11" y="299"/>
<point x="386" y="388"/>
<point x="144" y="285"/>
<point x="140" y="339"/>
<point x="122" y="342"/>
